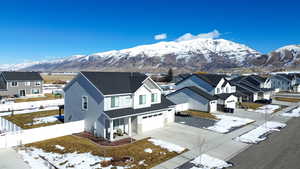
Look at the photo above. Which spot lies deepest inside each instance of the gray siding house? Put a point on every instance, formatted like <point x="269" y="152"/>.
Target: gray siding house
<point x="20" y="84"/>
<point x="113" y="103"/>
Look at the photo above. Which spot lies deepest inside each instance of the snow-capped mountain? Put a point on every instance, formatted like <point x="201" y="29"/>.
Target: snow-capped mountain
<point x="287" y="57"/>
<point x="196" y="54"/>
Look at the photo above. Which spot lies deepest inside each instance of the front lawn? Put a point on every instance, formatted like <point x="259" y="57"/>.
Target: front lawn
<point x="251" y="105"/>
<point x="285" y="99"/>
<point x="200" y="114"/>
<point x="34" y="120"/>
<point x="46" y="97"/>
<point x="59" y="151"/>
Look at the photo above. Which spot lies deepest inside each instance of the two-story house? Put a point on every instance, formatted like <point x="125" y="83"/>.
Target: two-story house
<point x="20" y="84"/>
<point x="217" y="86"/>
<point x="114" y="102"/>
<point x="282" y="82"/>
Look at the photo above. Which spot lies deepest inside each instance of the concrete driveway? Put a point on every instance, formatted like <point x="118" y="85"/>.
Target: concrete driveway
<point x="9" y="159"/>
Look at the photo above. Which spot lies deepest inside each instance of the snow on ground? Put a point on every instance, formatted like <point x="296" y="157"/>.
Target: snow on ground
<point x="59" y="147"/>
<point x="292" y="113"/>
<point x="227" y="123"/>
<point x="43" y="120"/>
<point x="205" y="161"/>
<point x="29" y="111"/>
<point x="259" y="134"/>
<point x="169" y="146"/>
<point x="62" y="161"/>
<point x="31" y="105"/>
<point x="148" y="150"/>
<point x="268" y="109"/>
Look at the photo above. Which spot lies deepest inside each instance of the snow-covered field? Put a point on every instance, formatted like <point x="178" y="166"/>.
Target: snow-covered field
<point x="31" y="105"/>
<point x="62" y="161"/>
<point x="259" y="134"/>
<point x="293" y="113"/>
<point x="205" y="161"/>
<point x="52" y="88"/>
<point x="29" y="111"/>
<point x="227" y="123"/>
<point x="268" y="109"/>
<point x="42" y="120"/>
<point x="169" y="146"/>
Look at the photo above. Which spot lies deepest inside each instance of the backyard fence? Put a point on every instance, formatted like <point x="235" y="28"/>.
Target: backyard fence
<point x="7" y="126"/>
<point x="182" y="107"/>
<point x="15" y="138"/>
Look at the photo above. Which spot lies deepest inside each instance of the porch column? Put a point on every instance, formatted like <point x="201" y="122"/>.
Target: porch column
<point x="111" y="137"/>
<point x="129" y="126"/>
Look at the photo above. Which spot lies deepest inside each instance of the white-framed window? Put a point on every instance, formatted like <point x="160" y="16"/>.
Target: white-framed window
<point x="154" y="97"/>
<point x="118" y="123"/>
<point x="115" y="101"/>
<point x="84" y="103"/>
<point x="14" y="83"/>
<point x="27" y="83"/>
<point x="218" y="90"/>
<point x="38" y="83"/>
<point x="35" y="91"/>
<point x="227" y="89"/>
<point x="142" y="99"/>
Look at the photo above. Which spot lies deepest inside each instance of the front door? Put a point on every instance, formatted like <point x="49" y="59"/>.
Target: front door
<point x="22" y="93"/>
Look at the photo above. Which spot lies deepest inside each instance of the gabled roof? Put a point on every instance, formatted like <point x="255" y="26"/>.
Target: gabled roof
<point x="116" y="82"/>
<point x="198" y="91"/>
<point x="287" y="76"/>
<point x="258" y="78"/>
<point x="212" y="79"/>
<point x="118" y="113"/>
<point x="22" y="76"/>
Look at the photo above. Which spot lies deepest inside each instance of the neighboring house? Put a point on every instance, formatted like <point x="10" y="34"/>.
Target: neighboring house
<point x="196" y="99"/>
<point x="114" y="102"/>
<point x="214" y="84"/>
<point x="20" y="84"/>
<point x="282" y="82"/>
<point x="254" y="86"/>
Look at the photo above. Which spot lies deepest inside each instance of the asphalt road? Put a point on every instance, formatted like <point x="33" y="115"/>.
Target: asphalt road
<point x="280" y="151"/>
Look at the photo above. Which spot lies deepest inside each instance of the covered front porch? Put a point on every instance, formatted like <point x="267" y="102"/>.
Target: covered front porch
<point x="120" y="128"/>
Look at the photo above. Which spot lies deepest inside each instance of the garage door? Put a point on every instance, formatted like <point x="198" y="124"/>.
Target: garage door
<point x="153" y="121"/>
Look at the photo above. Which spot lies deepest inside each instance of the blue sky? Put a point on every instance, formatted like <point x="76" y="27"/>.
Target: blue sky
<point x="41" y="29"/>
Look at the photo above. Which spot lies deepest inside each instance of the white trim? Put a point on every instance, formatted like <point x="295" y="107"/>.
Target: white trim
<point x="12" y="82"/>
<point x="109" y="95"/>
<point x="148" y="77"/>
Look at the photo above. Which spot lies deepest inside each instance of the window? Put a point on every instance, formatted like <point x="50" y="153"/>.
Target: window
<point x="35" y="91"/>
<point x="218" y="90"/>
<point x="118" y="123"/>
<point x="114" y="101"/>
<point x="154" y="97"/>
<point x="227" y="89"/>
<point x="38" y="83"/>
<point x="27" y="83"/>
<point x="142" y="99"/>
<point x="84" y="103"/>
<point x="13" y="84"/>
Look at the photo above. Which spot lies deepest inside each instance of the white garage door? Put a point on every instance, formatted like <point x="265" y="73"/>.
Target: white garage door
<point x="153" y="121"/>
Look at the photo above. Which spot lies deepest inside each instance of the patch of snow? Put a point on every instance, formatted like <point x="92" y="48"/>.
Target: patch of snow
<point x="268" y="109"/>
<point x="169" y="146"/>
<point x="63" y="161"/>
<point x="293" y="113"/>
<point x="227" y="123"/>
<point x="59" y="147"/>
<point x="43" y="120"/>
<point x="143" y="163"/>
<point x="259" y="134"/>
<point x="148" y="150"/>
<point x="208" y="162"/>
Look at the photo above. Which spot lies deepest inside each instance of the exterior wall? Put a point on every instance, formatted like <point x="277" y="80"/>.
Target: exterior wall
<point x="213" y="106"/>
<point x="231" y="101"/>
<point x="73" y="105"/>
<point x="141" y="91"/>
<point x="282" y="85"/>
<point x="267" y="95"/>
<point x="15" y="90"/>
<point x="194" y="101"/>
<point x="255" y="96"/>
<point x="195" y="81"/>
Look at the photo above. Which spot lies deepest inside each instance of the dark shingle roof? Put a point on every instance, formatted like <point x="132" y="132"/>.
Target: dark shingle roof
<point x="22" y="76"/>
<point x="212" y="79"/>
<point x="165" y="103"/>
<point x="197" y="91"/>
<point x="224" y="96"/>
<point x="287" y="76"/>
<point x="116" y="82"/>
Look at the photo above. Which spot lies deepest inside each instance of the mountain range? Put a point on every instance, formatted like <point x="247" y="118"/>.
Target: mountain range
<point x="190" y="55"/>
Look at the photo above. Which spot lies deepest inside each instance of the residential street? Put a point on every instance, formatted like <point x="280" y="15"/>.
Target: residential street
<point x="280" y="151"/>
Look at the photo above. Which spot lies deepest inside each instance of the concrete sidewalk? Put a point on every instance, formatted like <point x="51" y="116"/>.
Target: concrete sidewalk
<point x="10" y="159"/>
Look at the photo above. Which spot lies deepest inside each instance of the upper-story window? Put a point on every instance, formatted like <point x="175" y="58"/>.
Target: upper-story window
<point x="154" y="97"/>
<point x="13" y="84"/>
<point x="114" y="101"/>
<point x="38" y="83"/>
<point x="142" y="99"/>
<point x="27" y="83"/>
<point x="218" y="90"/>
<point x="84" y="103"/>
<point x="227" y="89"/>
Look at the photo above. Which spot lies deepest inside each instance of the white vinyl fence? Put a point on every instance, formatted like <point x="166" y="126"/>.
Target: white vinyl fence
<point x="7" y="126"/>
<point x="182" y="107"/>
<point x="20" y="137"/>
